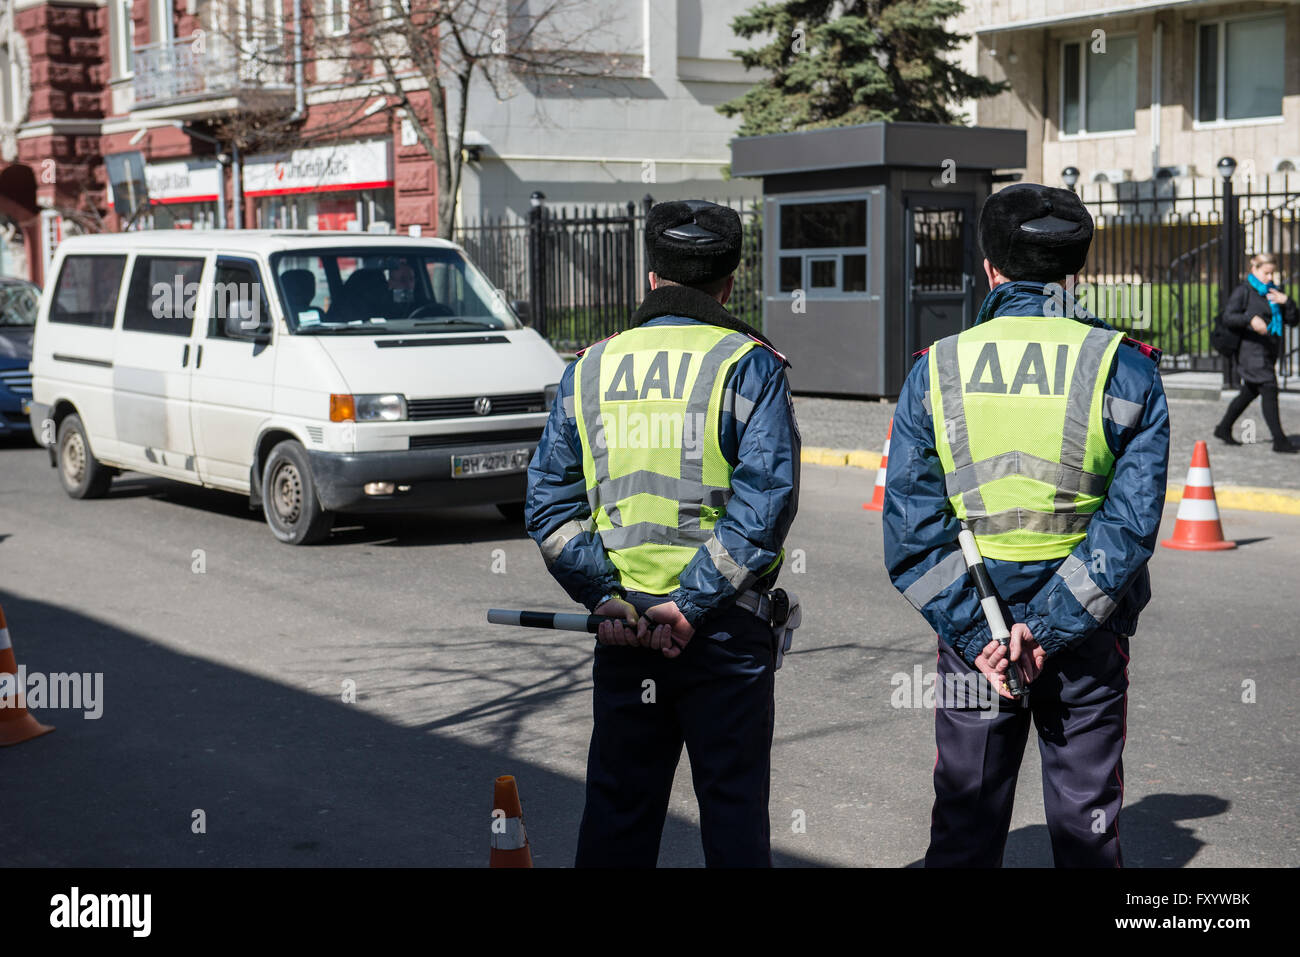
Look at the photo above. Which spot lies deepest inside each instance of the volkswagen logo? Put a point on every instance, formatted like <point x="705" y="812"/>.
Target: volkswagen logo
<point x="483" y="405"/>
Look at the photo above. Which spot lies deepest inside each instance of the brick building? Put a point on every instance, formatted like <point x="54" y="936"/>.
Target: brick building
<point x="84" y="79"/>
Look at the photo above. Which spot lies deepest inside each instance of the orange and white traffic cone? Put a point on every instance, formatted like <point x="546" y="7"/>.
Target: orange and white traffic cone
<point x="877" y="503"/>
<point x="1197" y="527"/>
<point x="16" y="725"/>
<point x="509" y="840"/>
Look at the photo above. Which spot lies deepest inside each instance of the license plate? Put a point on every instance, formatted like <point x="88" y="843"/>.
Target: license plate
<point x="490" y="463"/>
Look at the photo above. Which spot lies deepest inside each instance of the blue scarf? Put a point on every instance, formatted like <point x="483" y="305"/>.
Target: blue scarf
<point x="1275" y="323"/>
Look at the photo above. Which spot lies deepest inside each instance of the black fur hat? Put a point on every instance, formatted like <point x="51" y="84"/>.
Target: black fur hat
<point x="1035" y="232"/>
<point x="692" y="242"/>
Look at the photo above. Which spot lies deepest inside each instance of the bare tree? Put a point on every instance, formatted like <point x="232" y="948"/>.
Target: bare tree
<point x="412" y="57"/>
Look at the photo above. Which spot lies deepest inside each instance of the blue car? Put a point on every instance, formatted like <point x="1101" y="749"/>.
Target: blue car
<point x="19" y="301"/>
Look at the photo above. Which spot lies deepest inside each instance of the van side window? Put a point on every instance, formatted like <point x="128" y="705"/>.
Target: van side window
<point x="161" y="295"/>
<point x="86" y="293"/>
<point x="237" y="291"/>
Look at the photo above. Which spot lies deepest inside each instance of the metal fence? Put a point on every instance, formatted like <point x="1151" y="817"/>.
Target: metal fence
<point x="582" y="271"/>
<point x="1174" y="250"/>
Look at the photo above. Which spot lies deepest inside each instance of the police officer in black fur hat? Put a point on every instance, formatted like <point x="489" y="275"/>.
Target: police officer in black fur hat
<point x="678" y="532"/>
<point x="1046" y="434"/>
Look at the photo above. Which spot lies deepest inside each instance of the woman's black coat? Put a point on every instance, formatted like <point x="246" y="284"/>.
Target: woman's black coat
<point x="1258" y="353"/>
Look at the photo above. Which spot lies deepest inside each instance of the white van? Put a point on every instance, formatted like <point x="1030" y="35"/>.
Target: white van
<point x="313" y="372"/>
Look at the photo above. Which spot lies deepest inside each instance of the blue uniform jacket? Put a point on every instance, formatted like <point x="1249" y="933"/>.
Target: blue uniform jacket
<point x="1104" y="580"/>
<point x="758" y="436"/>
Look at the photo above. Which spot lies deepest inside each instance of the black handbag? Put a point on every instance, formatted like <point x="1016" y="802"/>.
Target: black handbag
<point x="1225" y="341"/>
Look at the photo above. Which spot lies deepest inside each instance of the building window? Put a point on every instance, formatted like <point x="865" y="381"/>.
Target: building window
<point x="1098" y="90"/>
<point x="336" y="17"/>
<point x="822" y="247"/>
<point x="8" y="88"/>
<point x="1239" y="68"/>
<point x="164" y="29"/>
<point x="120" y="29"/>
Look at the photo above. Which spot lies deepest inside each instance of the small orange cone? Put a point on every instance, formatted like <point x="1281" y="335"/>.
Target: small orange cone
<point x="877" y="503"/>
<point x="1197" y="527"/>
<point x="509" y="840"/>
<point x="16" y="725"/>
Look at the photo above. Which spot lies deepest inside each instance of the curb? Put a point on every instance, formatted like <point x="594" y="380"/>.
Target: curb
<point x="1246" y="498"/>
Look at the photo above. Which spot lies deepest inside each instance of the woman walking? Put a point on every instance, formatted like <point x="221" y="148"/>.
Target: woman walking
<point x="1256" y="311"/>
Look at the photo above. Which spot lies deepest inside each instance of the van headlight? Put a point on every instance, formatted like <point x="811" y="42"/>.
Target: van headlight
<point x="381" y="408"/>
<point x="549" y="394"/>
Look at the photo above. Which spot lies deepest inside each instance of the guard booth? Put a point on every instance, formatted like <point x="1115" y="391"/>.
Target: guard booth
<point x="869" y="245"/>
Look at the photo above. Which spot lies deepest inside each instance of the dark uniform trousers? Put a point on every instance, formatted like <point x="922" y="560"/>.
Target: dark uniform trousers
<point x="1078" y="704"/>
<point x="717" y="698"/>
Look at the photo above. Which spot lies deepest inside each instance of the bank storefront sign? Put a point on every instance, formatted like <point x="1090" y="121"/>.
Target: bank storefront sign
<point x="318" y="169"/>
<point x="184" y="181"/>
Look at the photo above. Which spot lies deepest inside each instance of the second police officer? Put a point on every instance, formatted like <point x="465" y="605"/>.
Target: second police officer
<point x="1046" y="432"/>
<point x="661" y="493"/>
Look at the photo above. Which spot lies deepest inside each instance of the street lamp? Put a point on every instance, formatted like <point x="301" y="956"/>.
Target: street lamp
<point x="1070" y="176"/>
<point x="1227" y="247"/>
<point x="536" y="198"/>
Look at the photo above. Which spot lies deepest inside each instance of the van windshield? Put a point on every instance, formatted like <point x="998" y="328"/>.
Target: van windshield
<point x="369" y="291"/>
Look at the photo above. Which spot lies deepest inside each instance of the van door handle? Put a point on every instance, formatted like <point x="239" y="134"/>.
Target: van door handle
<point x="198" y="357"/>
<point x="185" y="356"/>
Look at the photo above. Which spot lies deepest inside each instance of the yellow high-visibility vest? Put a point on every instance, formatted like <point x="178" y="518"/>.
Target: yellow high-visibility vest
<point x="1017" y="409"/>
<point x="648" y="404"/>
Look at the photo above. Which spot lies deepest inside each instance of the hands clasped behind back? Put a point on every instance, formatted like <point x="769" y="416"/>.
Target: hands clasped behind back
<point x="662" y="628"/>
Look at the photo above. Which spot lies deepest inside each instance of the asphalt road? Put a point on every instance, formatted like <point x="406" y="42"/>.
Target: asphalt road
<point x="223" y="692"/>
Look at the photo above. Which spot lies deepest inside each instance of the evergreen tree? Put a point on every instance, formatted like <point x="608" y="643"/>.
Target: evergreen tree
<point x="843" y="62"/>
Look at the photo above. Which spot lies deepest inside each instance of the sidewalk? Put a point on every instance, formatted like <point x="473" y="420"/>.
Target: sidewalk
<point x="856" y="425"/>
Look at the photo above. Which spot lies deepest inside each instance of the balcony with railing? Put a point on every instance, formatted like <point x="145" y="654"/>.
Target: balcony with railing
<point x="192" y="68"/>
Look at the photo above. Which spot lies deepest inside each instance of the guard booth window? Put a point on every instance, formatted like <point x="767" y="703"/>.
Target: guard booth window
<point x="823" y="247"/>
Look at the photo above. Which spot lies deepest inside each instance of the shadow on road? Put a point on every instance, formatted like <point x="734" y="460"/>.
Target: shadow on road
<point x="284" y="777"/>
<point x="1149" y="833"/>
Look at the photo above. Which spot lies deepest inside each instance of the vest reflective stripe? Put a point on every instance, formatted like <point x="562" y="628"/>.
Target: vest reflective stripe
<point x="737" y="405"/>
<point x="1017" y="519"/>
<point x="1070" y="488"/>
<point x="1078" y="398"/>
<point x="967" y="477"/>
<point x="656" y="493"/>
<point x="736" y="574"/>
<point x="1086" y="591"/>
<point x="554" y="543"/>
<point x="594" y="424"/>
<point x="954" y="418"/>
<point x="692" y="465"/>
<point x="942" y="575"/>
<point x="1122" y="412"/>
<point x="665" y="486"/>
<point x="648" y="533"/>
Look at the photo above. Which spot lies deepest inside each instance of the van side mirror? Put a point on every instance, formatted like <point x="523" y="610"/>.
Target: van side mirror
<point x="234" y="326"/>
<point x="523" y="309"/>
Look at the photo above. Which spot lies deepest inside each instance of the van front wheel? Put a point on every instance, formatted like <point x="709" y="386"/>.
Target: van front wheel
<point x="80" y="472"/>
<point x="289" y="500"/>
